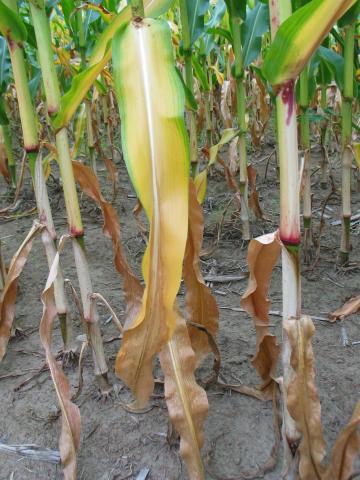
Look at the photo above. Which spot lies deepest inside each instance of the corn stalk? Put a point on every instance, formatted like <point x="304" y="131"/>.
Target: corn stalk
<point x="52" y="93"/>
<point x="31" y="144"/>
<point x="346" y="113"/>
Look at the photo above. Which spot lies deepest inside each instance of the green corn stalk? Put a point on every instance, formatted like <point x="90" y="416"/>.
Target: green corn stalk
<point x="305" y="146"/>
<point x="236" y="19"/>
<point x="31" y="144"/>
<point x="189" y="80"/>
<point x="346" y="112"/>
<point x="89" y="126"/>
<point x="52" y="93"/>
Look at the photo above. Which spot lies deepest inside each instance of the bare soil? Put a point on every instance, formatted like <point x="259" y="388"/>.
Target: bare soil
<point x="117" y="444"/>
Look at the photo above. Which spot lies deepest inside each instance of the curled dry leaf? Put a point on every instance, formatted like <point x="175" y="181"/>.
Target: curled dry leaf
<point x="71" y="425"/>
<point x="89" y="184"/>
<point x="200" y="302"/>
<point x="186" y="400"/>
<point x="254" y="195"/>
<point x="302" y="398"/>
<point x="8" y="294"/>
<point x="349" y="308"/>
<point x="345" y="450"/>
<point x="263" y="254"/>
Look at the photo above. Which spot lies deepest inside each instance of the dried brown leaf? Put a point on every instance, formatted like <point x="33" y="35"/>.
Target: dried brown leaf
<point x="302" y="398"/>
<point x="8" y="294"/>
<point x="345" y="450"/>
<point x="71" y="425"/>
<point x="132" y="288"/>
<point x="4" y="162"/>
<point x="225" y="103"/>
<point x="349" y="308"/>
<point x="254" y="195"/>
<point x="200" y="303"/>
<point x="263" y="253"/>
<point x="186" y="400"/>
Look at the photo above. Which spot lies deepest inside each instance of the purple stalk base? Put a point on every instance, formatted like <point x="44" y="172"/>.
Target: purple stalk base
<point x="288" y="98"/>
<point x="292" y="239"/>
<point x="76" y="232"/>
<point x="32" y="148"/>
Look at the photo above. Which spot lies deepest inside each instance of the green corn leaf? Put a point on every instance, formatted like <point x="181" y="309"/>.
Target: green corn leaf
<point x="5" y="65"/>
<point x="3" y="117"/>
<point x="11" y="25"/>
<point x="236" y="8"/>
<point x="190" y="101"/>
<point x="79" y="88"/>
<point x="334" y="62"/>
<point x="200" y="74"/>
<point x="222" y="32"/>
<point x="196" y="10"/>
<point x="299" y="36"/>
<point x="254" y="27"/>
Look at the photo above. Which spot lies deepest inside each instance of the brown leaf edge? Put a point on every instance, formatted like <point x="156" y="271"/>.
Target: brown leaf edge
<point x="345" y="450"/>
<point x="302" y="398"/>
<point x="8" y="294"/>
<point x="200" y="302"/>
<point x="133" y="290"/>
<point x="71" y="424"/>
<point x="186" y="401"/>
<point x="263" y="254"/>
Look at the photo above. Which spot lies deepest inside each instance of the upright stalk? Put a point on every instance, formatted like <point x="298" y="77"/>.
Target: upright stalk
<point x="189" y="80"/>
<point x="241" y="111"/>
<point x="52" y="93"/>
<point x="323" y="133"/>
<point x="31" y="144"/>
<point x="346" y="112"/>
<point x="305" y="146"/>
<point x="289" y="232"/>
<point x="89" y="124"/>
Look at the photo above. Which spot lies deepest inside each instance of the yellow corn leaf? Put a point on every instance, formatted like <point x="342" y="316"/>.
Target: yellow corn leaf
<point x="227" y="135"/>
<point x="263" y="254"/>
<point x="200" y="303"/>
<point x="8" y="294"/>
<point x="151" y="102"/>
<point x="345" y="450"/>
<point x="200" y="184"/>
<point x="186" y="401"/>
<point x="219" y="76"/>
<point x="70" y="429"/>
<point x="356" y="147"/>
<point x="303" y="402"/>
